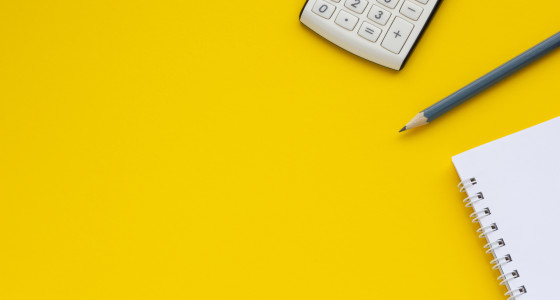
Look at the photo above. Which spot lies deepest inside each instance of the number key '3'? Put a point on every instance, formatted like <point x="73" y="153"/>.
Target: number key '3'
<point x="379" y="15"/>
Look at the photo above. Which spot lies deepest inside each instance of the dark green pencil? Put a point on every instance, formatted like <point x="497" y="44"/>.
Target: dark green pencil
<point x="431" y="113"/>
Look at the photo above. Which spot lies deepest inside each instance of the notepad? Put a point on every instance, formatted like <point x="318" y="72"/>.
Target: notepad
<point x="513" y="187"/>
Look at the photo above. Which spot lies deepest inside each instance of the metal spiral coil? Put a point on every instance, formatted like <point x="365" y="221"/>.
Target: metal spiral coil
<point x="494" y="245"/>
<point x="507" y="277"/>
<point x="499" y="262"/>
<point x="516" y="293"/>
<point x="466" y="183"/>
<point x="469" y="201"/>
<point x="484" y="231"/>
<point x="491" y="247"/>
<point x="477" y="215"/>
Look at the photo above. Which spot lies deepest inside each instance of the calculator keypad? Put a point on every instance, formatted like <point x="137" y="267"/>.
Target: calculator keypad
<point x="396" y="35"/>
<point x="381" y="28"/>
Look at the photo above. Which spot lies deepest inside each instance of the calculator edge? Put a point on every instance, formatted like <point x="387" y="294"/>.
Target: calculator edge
<point x="302" y="9"/>
<point x="421" y="34"/>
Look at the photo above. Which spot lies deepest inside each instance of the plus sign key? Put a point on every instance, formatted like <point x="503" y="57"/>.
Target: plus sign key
<point x="397" y="35"/>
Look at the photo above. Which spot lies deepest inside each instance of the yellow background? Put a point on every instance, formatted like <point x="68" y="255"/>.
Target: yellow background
<point x="222" y="150"/>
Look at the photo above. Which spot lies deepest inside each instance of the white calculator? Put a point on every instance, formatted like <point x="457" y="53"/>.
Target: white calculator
<point x="382" y="31"/>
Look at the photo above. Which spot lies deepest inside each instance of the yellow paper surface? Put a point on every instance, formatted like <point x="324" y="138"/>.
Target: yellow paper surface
<point x="222" y="150"/>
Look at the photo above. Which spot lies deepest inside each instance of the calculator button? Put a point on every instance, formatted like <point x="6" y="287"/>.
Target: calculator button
<point x="357" y="6"/>
<point x="411" y="10"/>
<point x="421" y="1"/>
<point x="397" y="35"/>
<point x="379" y="15"/>
<point x="324" y="9"/>
<point x="389" y="3"/>
<point x="346" y="20"/>
<point x="369" y="32"/>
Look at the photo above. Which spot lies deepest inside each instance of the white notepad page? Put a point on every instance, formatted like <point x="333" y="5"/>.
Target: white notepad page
<point x="519" y="176"/>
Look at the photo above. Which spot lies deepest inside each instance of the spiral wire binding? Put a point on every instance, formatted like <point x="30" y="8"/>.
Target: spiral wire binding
<point x="477" y="215"/>
<point x="484" y="231"/>
<point x="466" y="183"/>
<point x="491" y="247"/>
<point x="498" y="262"/>
<point x="507" y="277"/>
<point x="517" y="292"/>
<point x="494" y="245"/>
<point x="469" y="201"/>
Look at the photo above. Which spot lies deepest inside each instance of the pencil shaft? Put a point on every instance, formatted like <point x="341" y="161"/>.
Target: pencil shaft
<point x="492" y="78"/>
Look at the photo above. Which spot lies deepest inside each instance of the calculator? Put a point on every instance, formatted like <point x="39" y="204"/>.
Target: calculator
<point x="382" y="31"/>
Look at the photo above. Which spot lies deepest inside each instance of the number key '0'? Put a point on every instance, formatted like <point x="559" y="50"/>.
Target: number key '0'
<point x="324" y="9"/>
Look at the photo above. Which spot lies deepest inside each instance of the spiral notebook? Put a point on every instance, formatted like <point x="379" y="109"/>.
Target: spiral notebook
<point x="513" y="188"/>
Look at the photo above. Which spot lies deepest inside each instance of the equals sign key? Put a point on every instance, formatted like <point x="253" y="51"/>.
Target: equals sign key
<point x="369" y="32"/>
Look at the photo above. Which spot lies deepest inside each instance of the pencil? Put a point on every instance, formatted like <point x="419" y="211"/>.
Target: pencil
<point x="431" y="113"/>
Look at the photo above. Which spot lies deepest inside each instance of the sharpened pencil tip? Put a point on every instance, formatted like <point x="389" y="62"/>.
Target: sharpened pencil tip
<point x="418" y="120"/>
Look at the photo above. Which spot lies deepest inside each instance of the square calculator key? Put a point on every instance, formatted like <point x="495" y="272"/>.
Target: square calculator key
<point x="411" y="10"/>
<point x="369" y="32"/>
<point x="324" y="9"/>
<point x="379" y="15"/>
<point x="381" y="31"/>
<point x="397" y="35"/>
<point x="346" y="20"/>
